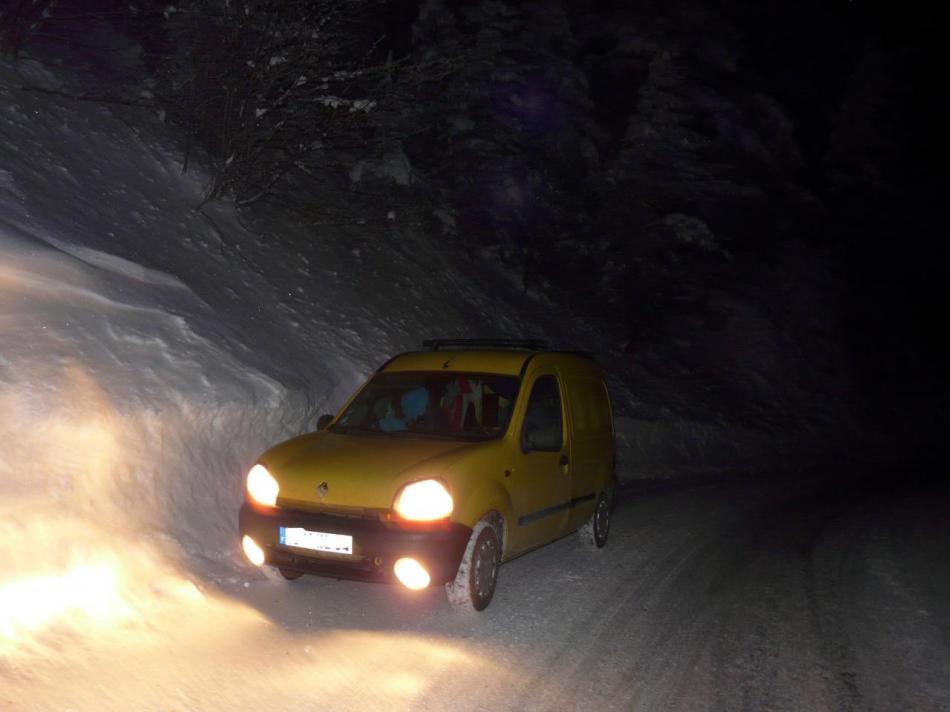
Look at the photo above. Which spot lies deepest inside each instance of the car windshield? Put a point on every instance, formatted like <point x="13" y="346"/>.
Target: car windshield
<point x="456" y="406"/>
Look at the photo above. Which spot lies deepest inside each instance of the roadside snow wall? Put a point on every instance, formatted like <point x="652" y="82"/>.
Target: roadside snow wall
<point x="128" y="405"/>
<point x="664" y="449"/>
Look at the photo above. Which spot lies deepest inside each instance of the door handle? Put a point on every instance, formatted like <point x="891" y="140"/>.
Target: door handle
<point x="564" y="461"/>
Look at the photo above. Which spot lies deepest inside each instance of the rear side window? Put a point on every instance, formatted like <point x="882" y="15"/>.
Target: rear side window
<point x="589" y="405"/>
<point x="542" y="421"/>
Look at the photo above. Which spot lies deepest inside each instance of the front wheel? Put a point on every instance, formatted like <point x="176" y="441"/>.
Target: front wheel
<point x="474" y="584"/>
<point x="594" y="532"/>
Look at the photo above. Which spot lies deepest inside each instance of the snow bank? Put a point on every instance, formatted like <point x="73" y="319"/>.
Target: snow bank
<point x="648" y="449"/>
<point x="123" y="395"/>
<point x="131" y="400"/>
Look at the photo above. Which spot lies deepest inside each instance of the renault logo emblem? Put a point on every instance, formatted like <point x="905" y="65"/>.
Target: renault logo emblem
<point x="322" y="489"/>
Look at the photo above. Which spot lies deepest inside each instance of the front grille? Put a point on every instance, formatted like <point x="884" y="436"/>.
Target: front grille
<point x="291" y="505"/>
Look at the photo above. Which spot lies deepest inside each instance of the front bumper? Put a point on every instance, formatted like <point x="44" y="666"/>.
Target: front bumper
<point x="377" y="545"/>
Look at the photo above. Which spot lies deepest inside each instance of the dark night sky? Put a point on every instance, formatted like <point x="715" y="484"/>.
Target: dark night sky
<point x="805" y="53"/>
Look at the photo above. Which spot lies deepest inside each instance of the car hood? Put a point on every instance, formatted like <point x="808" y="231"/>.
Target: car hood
<point x="356" y="471"/>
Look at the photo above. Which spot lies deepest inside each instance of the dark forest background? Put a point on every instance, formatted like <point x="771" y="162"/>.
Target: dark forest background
<point x="747" y="195"/>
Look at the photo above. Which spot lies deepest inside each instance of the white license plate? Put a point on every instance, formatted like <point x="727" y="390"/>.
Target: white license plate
<point x="316" y="541"/>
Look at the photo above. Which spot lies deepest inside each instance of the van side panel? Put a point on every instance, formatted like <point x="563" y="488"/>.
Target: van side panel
<point x="593" y="451"/>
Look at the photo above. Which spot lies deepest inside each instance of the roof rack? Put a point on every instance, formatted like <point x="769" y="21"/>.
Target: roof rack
<point x="527" y="344"/>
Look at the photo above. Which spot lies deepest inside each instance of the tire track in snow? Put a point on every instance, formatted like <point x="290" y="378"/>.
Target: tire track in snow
<point x="744" y="597"/>
<point x="625" y="613"/>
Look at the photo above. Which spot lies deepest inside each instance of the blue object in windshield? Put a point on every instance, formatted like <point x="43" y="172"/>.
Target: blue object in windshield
<point x="413" y="405"/>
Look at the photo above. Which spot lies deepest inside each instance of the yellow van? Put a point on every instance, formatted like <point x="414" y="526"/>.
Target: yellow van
<point x="447" y="462"/>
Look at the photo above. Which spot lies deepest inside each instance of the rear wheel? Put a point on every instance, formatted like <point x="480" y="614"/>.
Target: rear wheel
<point x="474" y="584"/>
<point x="594" y="532"/>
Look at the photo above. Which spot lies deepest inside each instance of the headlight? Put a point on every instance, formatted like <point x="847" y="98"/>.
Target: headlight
<point x="423" y="501"/>
<point x="262" y="487"/>
<point x="412" y="574"/>
<point x="252" y="551"/>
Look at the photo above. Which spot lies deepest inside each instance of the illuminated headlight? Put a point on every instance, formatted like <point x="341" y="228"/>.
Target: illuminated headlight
<point x="411" y="574"/>
<point x="423" y="501"/>
<point x="262" y="487"/>
<point x="252" y="551"/>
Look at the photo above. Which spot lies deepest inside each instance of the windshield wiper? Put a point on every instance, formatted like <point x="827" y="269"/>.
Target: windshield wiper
<point x="460" y="436"/>
<point x="343" y="429"/>
<point x="421" y="434"/>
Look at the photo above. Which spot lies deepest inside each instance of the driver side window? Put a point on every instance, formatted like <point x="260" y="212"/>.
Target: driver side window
<point x="542" y="429"/>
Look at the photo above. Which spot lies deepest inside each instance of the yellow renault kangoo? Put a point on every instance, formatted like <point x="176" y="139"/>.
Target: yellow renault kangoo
<point x="446" y="463"/>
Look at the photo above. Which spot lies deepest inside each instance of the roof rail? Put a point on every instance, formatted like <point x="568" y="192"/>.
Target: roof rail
<point x="527" y="344"/>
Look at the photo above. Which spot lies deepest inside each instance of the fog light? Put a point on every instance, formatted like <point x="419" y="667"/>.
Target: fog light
<point x="252" y="551"/>
<point x="412" y="574"/>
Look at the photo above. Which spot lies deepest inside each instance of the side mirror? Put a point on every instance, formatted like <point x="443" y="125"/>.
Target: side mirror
<point x="324" y="420"/>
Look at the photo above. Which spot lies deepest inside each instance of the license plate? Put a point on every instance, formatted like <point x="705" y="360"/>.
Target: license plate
<point x="316" y="541"/>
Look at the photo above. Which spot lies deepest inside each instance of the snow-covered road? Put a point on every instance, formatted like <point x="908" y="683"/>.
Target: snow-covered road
<point x="827" y="594"/>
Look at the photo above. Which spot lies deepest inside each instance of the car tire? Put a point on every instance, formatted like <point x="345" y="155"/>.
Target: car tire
<point x="594" y="533"/>
<point x="474" y="584"/>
